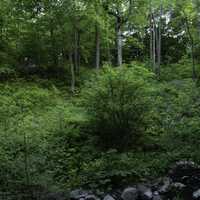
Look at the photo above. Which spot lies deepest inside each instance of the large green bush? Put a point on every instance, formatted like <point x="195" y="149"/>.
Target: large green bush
<point x="117" y="102"/>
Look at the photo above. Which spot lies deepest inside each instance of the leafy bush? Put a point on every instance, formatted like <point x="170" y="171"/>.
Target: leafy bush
<point x="179" y="71"/>
<point x="7" y="73"/>
<point x="117" y="102"/>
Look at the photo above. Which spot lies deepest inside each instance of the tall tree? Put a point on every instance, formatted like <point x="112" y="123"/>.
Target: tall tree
<point x="121" y="11"/>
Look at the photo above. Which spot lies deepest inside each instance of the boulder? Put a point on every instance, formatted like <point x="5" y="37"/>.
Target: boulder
<point x="196" y="194"/>
<point x="108" y="197"/>
<point x="130" y="193"/>
<point x="91" y="197"/>
<point x="145" y="192"/>
<point x="164" y="185"/>
<point x="116" y="194"/>
<point x="156" y="196"/>
<point x="78" y="194"/>
<point x="187" y="173"/>
<point x="178" y="187"/>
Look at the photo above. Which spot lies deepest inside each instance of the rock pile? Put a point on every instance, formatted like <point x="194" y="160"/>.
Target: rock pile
<point x="182" y="182"/>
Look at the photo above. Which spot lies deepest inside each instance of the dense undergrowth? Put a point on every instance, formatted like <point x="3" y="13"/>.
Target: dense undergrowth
<point x="53" y="139"/>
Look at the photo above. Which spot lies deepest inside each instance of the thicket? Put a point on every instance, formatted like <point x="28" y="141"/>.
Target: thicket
<point x="59" y="141"/>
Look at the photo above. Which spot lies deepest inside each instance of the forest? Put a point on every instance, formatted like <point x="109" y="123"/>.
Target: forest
<point x="99" y="95"/>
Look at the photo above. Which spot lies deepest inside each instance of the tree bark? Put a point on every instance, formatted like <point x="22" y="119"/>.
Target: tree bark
<point x="151" y="47"/>
<point x="159" y="40"/>
<point x="73" y="80"/>
<point x="79" y="51"/>
<point x="191" y="40"/>
<point x="109" y="59"/>
<point x="154" y="45"/>
<point x="53" y="46"/>
<point x="76" y="50"/>
<point x="151" y="36"/>
<point x="197" y="5"/>
<point x="97" y="64"/>
<point x="119" y="41"/>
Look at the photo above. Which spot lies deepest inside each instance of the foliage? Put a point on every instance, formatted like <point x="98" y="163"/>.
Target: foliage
<point x="120" y="125"/>
<point x="117" y="101"/>
<point x="31" y="117"/>
<point x="178" y="71"/>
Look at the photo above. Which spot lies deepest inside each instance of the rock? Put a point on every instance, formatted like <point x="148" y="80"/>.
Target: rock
<point x="196" y="194"/>
<point x="108" y="197"/>
<point x="185" y="172"/>
<point x="116" y="194"/>
<point x="185" y="176"/>
<point x="164" y="185"/>
<point x="91" y="197"/>
<point x="145" y="193"/>
<point x="130" y="193"/>
<point x="156" y="196"/>
<point x="78" y="194"/>
<point x="178" y="186"/>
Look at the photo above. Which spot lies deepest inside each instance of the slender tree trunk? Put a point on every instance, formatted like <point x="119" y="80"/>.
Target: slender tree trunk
<point x="151" y="34"/>
<point x="97" y="47"/>
<point x="79" y="50"/>
<point x="76" y="50"/>
<point x="159" y="39"/>
<point x="194" y="75"/>
<point x="73" y="80"/>
<point x="154" y="45"/>
<point x="119" y="41"/>
<point x="151" y="42"/>
<point x="197" y="5"/>
<point x="1" y="34"/>
<point x="109" y="59"/>
<point x="53" y="50"/>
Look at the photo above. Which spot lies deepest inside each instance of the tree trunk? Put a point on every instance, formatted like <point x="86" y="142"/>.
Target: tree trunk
<point x="159" y="40"/>
<point x="76" y="50"/>
<point x="191" y="40"/>
<point x="119" y="41"/>
<point x="79" y="50"/>
<point x="53" y="48"/>
<point x="194" y="76"/>
<point x="151" y="42"/>
<point x="197" y="5"/>
<point x="151" y="35"/>
<point x="154" y="45"/>
<point x="109" y="59"/>
<point x="73" y="80"/>
<point x="97" y="47"/>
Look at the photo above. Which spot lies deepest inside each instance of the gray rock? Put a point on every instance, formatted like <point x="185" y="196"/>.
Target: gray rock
<point x="78" y="194"/>
<point x="91" y="197"/>
<point x="165" y="187"/>
<point x="156" y="196"/>
<point x="108" y="197"/>
<point x="178" y="186"/>
<point x="145" y="193"/>
<point x="130" y="193"/>
<point x="185" y="172"/>
<point x="196" y="194"/>
<point x="116" y="194"/>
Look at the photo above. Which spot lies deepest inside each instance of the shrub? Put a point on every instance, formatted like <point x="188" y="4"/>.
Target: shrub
<point x="117" y="102"/>
<point x="7" y="73"/>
